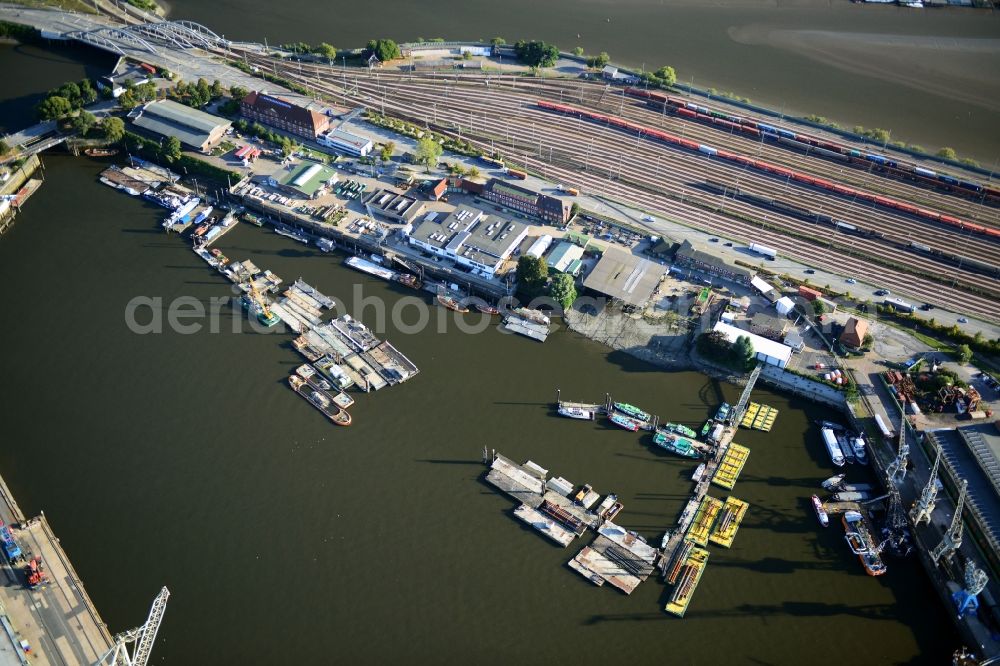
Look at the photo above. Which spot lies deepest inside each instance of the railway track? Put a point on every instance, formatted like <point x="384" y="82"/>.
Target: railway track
<point x="578" y="155"/>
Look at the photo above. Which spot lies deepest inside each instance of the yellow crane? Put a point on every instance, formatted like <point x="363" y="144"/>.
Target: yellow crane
<point x="264" y="315"/>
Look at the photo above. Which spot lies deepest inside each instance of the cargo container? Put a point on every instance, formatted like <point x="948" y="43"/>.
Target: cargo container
<point x="898" y="304"/>
<point x="514" y="173"/>
<point x="764" y="250"/>
<point x="809" y="293"/>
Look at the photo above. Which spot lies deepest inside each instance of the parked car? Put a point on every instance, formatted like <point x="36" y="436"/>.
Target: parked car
<point x="810" y="271"/>
<point x="882" y="292"/>
<point x="713" y="240"/>
<point x="851" y="281"/>
<point x="963" y="320"/>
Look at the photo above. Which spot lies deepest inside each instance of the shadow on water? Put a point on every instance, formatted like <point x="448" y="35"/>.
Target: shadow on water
<point x="778" y="565"/>
<point x="439" y="461"/>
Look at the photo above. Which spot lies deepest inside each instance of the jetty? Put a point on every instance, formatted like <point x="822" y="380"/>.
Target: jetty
<point x="530" y="329"/>
<point x="730" y="466"/>
<point x="729" y="521"/>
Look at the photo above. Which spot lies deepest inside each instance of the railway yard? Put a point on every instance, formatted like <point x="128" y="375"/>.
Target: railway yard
<point x="930" y="239"/>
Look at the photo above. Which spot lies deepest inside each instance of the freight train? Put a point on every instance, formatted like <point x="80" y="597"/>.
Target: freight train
<point x="814" y="145"/>
<point x="968" y="263"/>
<point x="773" y="169"/>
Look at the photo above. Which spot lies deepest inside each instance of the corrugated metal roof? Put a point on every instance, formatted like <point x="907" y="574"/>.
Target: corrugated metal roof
<point x="190" y="126"/>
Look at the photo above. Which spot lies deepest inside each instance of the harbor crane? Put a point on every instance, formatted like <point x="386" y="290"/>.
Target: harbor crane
<point x="952" y="539"/>
<point x="924" y="506"/>
<point x="966" y="599"/>
<point x="141" y="638"/>
<point x="896" y="470"/>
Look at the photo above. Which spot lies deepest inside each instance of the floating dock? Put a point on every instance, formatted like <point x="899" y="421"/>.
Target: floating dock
<point x="703" y="520"/>
<point x="616" y="556"/>
<point x="730" y="466"/>
<point x="691" y="571"/>
<point x="759" y="417"/>
<point x="314" y="293"/>
<point x="544" y="524"/>
<point x="729" y="522"/>
<point x="530" y="329"/>
<point x="525" y="483"/>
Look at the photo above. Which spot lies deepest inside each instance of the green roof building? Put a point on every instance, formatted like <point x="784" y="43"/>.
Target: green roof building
<point x="305" y="181"/>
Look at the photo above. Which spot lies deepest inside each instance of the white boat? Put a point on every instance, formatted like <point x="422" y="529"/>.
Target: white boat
<point x="832" y="447"/>
<point x="294" y="234"/>
<point x="859" y="450"/>
<point x="366" y="266"/>
<point x="576" y="413"/>
<point x="834" y="482"/>
<point x="665" y="540"/>
<point x="698" y="473"/>
<point x="325" y="244"/>
<point x="824" y="519"/>
<point x="851" y="496"/>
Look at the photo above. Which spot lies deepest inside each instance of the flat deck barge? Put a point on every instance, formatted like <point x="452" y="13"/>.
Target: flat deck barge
<point x="545" y="524"/>
<point x="704" y="518"/>
<point x="730" y="466"/>
<point x="692" y="569"/>
<point x="729" y="522"/>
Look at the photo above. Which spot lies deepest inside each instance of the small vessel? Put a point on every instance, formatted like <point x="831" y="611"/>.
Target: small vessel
<point x="320" y="400"/>
<point x="859" y="450"/>
<point x="536" y="316"/>
<point x="698" y="472"/>
<point x="486" y="308"/>
<point x="576" y="413"/>
<point x="623" y="421"/>
<point x="325" y="244"/>
<point x="290" y="232"/>
<point x="451" y="303"/>
<point x="253" y="219"/>
<point x="610" y="507"/>
<point x="332" y="371"/>
<point x="679" y="429"/>
<point x="824" y="519"/>
<point x="832" y="447"/>
<point x="583" y="492"/>
<point x="665" y="540"/>
<point x="859" y="540"/>
<point x="674" y="444"/>
<point x="631" y="410"/>
<point x="723" y="412"/>
<point x="705" y="428"/>
<point x="264" y="316"/>
<point x="833" y="482"/>
<point x="308" y="373"/>
<point x="100" y="152"/>
<point x="856" y="487"/>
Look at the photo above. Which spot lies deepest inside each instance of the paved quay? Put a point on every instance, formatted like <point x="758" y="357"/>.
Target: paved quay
<point x="57" y="622"/>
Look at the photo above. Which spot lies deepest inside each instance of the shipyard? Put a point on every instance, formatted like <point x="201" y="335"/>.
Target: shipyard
<point x="804" y="444"/>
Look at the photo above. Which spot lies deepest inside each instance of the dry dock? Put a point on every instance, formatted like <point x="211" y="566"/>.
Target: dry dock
<point x="729" y="522"/>
<point x="730" y="466"/>
<point x="57" y="621"/>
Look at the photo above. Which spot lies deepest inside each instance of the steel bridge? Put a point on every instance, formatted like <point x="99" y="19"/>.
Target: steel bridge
<point x="147" y="36"/>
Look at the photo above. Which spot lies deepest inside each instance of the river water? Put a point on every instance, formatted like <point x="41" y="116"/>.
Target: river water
<point x="930" y="76"/>
<point x="185" y="460"/>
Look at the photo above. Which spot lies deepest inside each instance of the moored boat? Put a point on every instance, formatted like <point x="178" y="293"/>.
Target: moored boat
<point x="699" y="472"/>
<point x="859" y="450"/>
<point x="821" y="514"/>
<point x="289" y="232"/>
<point x="679" y="429"/>
<point x="100" y="152"/>
<point x="626" y="422"/>
<point x="674" y="444"/>
<point x="451" y="303"/>
<point x="832" y="447"/>
<point x="320" y="400"/>
<point x="486" y="308"/>
<point x="576" y="413"/>
<point x="631" y="410"/>
<point x="705" y="428"/>
<point x="332" y="371"/>
<point x="851" y="496"/>
<point x="536" y="316"/>
<point x="308" y="373"/>
<point x="833" y="482"/>
<point x="723" y="412"/>
<point x="325" y="244"/>
<point x="859" y="540"/>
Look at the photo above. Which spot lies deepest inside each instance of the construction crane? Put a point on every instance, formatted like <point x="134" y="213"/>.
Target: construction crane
<point x="141" y="637"/>
<point x="896" y="470"/>
<point x="952" y="539"/>
<point x="264" y="314"/>
<point x="966" y="599"/>
<point x="924" y="506"/>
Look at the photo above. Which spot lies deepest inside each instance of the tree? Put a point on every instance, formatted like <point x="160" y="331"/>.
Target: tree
<point x="667" y="75"/>
<point x="70" y="91"/>
<point x="964" y="353"/>
<point x="536" y="54"/>
<point x="578" y="51"/>
<point x="428" y="151"/>
<point x="384" y="49"/>
<point x="532" y="274"/>
<point x="203" y="94"/>
<point x="599" y="61"/>
<point x="328" y="51"/>
<point x="819" y="307"/>
<point x="867" y="342"/>
<point x="172" y="149"/>
<point x="473" y="172"/>
<point x="4" y="147"/>
<point x="87" y="93"/>
<point x="742" y="353"/>
<point x="238" y="93"/>
<point x="217" y="89"/>
<point x="114" y="129"/>
<point x="497" y="42"/>
<point x="54" y="108"/>
<point x="564" y="290"/>
<point x="127" y="100"/>
<point x="947" y="153"/>
<point x="83" y="122"/>
<point x="386" y="151"/>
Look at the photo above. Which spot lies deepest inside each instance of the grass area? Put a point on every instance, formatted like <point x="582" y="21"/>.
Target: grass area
<point x="71" y="5"/>
<point x="145" y="5"/>
<point x="223" y="148"/>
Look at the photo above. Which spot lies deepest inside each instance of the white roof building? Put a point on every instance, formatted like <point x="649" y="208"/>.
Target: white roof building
<point x="784" y="305"/>
<point x="769" y="351"/>
<point x="760" y="285"/>
<point x="539" y="247"/>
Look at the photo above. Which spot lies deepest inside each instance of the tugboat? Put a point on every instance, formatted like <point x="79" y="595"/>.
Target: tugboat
<point x="451" y="303"/>
<point x="631" y="410"/>
<point x="623" y="421"/>
<point x="824" y="519"/>
<point x="674" y="444"/>
<point x="320" y="401"/>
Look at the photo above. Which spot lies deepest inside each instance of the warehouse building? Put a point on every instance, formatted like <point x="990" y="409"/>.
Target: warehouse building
<point x="769" y="351"/>
<point x="395" y="206"/>
<point x="308" y="180"/>
<point x="540" y="246"/>
<point x="769" y="326"/>
<point x="687" y="257"/>
<point x="624" y="277"/>
<point x="469" y="237"/>
<point x="194" y="128"/>
<point x="345" y="142"/>
<point x="284" y="115"/>
<point x="565" y="258"/>
<point x="550" y="209"/>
